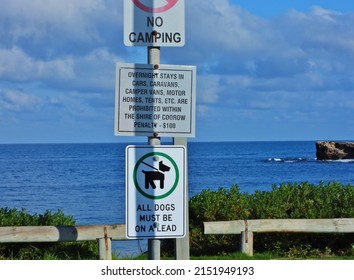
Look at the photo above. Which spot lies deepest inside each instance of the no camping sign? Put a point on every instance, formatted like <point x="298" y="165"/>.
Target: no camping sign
<point x="154" y="23"/>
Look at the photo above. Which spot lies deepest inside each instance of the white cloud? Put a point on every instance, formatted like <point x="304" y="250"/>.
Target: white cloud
<point x="95" y="70"/>
<point x="202" y="110"/>
<point x="325" y="14"/>
<point x="224" y="26"/>
<point x="18" y="66"/>
<point x="294" y="67"/>
<point x="209" y="88"/>
<point x="16" y="101"/>
<point x="59" y="57"/>
<point x="40" y="20"/>
<point x="232" y="41"/>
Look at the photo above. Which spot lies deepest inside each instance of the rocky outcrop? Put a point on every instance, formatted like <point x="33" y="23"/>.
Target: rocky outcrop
<point x="330" y="150"/>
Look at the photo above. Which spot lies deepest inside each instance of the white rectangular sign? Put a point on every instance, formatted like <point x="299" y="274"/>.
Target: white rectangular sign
<point x="154" y="23"/>
<point x="155" y="191"/>
<point x="158" y="102"/>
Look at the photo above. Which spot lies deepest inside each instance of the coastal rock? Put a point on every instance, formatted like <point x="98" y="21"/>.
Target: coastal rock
<point x="331" y="150"/>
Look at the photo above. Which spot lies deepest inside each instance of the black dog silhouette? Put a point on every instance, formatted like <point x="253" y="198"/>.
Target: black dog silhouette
<point x="151" y="176"/>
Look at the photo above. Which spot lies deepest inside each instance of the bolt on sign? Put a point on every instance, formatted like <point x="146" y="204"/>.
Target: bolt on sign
<point x="154" y="23"/>
<point x="153" y="101"/>
<point x="155" y="191"/>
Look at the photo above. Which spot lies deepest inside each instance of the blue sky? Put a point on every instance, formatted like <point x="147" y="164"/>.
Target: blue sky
<point x="267" y="70"/>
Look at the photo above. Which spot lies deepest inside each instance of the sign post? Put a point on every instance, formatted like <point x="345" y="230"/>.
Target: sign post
<point x="154" y="245"/>
<point x="169" y="111"/>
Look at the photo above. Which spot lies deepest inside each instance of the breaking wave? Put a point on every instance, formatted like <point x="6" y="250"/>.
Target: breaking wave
<point x="300" y="159"/>
<point x="291" y="160"/>
<point x="340" y="161"/>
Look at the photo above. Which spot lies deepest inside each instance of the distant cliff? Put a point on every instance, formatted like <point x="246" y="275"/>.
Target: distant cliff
<point x="330" y="150"/>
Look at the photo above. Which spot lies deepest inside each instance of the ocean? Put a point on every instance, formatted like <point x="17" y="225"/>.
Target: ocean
<point x="88" y="180"/>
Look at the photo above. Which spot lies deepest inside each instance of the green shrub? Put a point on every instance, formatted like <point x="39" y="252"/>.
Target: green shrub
<point x="287" y="201"/>
<point x="304" y="201"/>
<point x="221" y="205"/>
<point x="40" y="251"/>
<point x="14" y="217"/>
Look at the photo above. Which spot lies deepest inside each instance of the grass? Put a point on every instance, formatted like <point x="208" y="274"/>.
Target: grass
<point x="242" y="256"/>
<point x="287" y="201"/>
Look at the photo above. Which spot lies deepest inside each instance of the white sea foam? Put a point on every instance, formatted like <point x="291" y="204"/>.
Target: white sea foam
<point x="341" y="160"/>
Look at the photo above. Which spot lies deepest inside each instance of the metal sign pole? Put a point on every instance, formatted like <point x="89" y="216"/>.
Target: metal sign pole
<point x="140" y="20"/>
<point x="182" y="249"/>
<point x="154" y="245"/>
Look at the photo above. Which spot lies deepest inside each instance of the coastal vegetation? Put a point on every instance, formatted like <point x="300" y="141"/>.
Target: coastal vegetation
<point x="43" y="251"/>
<point x="286" y="201"/>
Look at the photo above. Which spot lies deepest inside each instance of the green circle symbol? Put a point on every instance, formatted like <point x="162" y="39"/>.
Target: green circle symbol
<point x="135" y="177"/>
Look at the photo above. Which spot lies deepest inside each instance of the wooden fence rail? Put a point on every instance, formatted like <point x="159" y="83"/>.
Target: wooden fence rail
<point x="104" y="234"/>
<point x="247" y="227"/>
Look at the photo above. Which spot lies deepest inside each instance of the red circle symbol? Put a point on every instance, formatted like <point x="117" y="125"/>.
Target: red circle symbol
<point x="169" y="4"/>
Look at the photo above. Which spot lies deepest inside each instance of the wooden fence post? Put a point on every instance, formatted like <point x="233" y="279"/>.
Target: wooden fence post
<point x="103" y="234"/>
<point x="247" y="227"/>
<point x="105" y="248"/>
<point x="247" y="242"/>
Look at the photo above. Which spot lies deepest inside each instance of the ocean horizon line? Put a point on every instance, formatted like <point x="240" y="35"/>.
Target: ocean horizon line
<point x="169" y="142"/>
